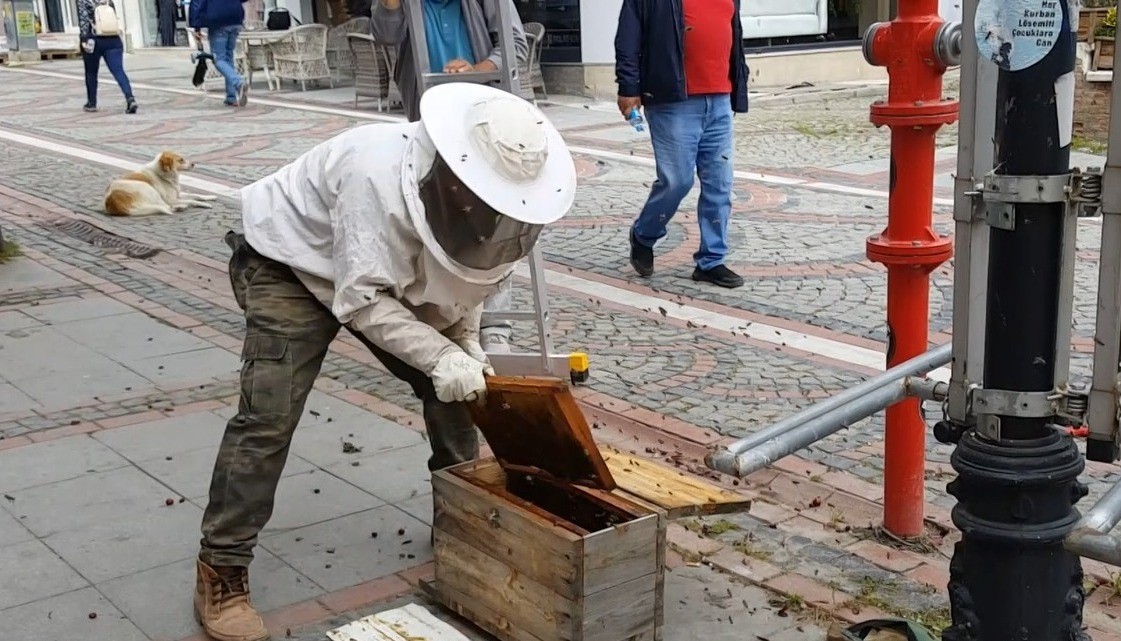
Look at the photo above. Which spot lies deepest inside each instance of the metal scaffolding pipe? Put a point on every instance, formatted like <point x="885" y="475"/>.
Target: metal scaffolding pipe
<point x="1091" y="538"/>
<point x="811" y="431"/>
<point x="1106" y="513"/>
<point x="926" y="389"/>
<point x="1094" y="545"/>
<point x="724" y="458"/>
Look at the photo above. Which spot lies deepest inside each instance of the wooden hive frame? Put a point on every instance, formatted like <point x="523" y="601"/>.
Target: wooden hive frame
<point x="555" y="539"/>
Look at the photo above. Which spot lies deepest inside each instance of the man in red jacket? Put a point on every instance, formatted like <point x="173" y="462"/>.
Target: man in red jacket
<point x="689" y="100"/>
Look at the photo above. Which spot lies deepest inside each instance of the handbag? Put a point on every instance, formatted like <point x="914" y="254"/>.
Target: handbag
<point x="279" y="20"/>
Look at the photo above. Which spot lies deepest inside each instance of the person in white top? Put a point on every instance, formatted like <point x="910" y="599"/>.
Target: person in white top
<point x="397" y="232"/>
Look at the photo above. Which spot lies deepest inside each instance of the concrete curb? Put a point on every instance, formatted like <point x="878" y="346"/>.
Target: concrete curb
<point x="799" y="97"/>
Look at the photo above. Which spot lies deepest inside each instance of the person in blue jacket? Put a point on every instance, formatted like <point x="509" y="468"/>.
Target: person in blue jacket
<point x="682" y="61"/>
<point x="222" y="20"/>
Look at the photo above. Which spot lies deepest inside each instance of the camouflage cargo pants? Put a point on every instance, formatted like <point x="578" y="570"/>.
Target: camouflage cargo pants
<point x="287" y="335"/>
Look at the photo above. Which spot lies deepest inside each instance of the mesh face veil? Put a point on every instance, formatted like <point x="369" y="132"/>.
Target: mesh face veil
<point x="469" y="231"/>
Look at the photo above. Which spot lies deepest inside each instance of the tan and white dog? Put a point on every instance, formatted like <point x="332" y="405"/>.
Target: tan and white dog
<point x="153" y="189"/>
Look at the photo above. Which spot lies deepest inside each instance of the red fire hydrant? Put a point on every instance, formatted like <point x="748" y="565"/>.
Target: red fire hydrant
<point x="916" y="47"/>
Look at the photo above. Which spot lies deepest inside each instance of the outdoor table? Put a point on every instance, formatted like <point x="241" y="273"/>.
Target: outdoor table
<point x="257" y="43"/>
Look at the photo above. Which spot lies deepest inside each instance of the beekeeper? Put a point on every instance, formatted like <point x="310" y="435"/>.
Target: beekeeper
<point x="397" y="232"/>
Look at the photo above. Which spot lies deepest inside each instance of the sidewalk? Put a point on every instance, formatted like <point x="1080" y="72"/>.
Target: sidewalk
<point x="99" y="526"/>
<point x="88" y="401"/>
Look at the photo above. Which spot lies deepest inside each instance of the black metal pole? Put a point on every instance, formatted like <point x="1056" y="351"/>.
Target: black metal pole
<point x="1010" y="577"/>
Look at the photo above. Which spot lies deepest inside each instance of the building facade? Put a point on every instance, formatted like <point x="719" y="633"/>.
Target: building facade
<point x="788" y="41"/>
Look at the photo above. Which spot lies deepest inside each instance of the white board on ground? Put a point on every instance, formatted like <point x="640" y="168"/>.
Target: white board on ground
<point x="1016" y="34"/>
<point x="410" y="623"/>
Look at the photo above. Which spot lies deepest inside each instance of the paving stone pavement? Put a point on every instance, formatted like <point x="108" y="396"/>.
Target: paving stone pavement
<point x="143" y="415"/>
<point x="700" y="604"/>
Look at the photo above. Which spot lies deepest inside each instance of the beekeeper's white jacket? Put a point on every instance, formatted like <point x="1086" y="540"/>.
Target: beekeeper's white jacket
<point x="347" y="217"/>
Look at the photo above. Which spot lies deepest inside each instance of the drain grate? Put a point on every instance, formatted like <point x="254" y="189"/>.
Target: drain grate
<point x="98" y="237"/>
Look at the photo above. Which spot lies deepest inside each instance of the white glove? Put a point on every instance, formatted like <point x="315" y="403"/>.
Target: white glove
<point x="474" y="349"/>
<point x="459" y="377"/>
<point x="88" y="46"/>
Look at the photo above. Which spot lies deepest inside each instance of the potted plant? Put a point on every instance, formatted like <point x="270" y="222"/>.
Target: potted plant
<point x="1104" y="34"/>
<point x="1090" y="15"/>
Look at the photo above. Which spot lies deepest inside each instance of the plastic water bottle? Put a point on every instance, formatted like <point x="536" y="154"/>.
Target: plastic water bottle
<point x="636" y="120"/>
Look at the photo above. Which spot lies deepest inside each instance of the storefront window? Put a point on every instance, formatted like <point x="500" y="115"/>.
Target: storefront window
<point x="54" y="22"/>
<point x="562" y="27"/>
<point x="771" y="25"/>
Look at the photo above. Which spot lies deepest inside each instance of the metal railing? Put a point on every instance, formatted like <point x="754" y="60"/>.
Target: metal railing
<point x="822" y="419"/>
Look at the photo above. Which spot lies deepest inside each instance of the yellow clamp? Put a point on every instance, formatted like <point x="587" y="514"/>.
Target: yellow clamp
<point x="578" y="366"/>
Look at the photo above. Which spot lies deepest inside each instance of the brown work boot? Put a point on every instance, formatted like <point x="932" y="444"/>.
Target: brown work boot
<point x="222" y="604"/>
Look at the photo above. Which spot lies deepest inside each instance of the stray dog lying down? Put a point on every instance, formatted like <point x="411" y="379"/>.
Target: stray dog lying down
<point x="153" y="189"/>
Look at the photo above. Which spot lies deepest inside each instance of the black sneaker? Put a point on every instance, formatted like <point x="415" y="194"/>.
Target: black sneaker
<point x="719" y="275"/>
<point x="88" y="108"/>
<point x="642" y="257"/>
<point x="131" y="106"/>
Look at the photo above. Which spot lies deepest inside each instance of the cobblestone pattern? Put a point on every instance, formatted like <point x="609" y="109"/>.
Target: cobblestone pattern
<point x="825" y="133"/>
<point x="39" y="295"/>
<point x="713" y="383"/>
<point x="825" y="559"/>
<point x="809" y="285"/>
<point x="636" y="358"/>
<point x="96" y="410"/>
<point x="818" y="276"/>
<point x="802" y="249"/>
<point x="859" y="451"/>
<point x="228" y="144"/>
<point x="601" y="247"/>
<point x="78" y="254"/>
<point x="743" y="387"/>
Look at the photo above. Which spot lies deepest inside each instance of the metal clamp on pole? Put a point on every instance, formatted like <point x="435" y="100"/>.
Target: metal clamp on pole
<point x="988" y="405"/>
<point x="1001" y="193"/>
<point x="1086" y="191"/>
<point x="1064" y="405"/>
<point x="1071" y="405"/>
<point x="1019" y="404"/>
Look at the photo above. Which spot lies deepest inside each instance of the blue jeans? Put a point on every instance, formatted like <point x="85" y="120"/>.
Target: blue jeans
<point x="112" y="49"/>
<point x="223" y="43"/>
<point x="692" y="136"/>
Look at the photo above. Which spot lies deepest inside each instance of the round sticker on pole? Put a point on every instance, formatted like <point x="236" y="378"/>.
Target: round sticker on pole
<point x="1016" y="34"/>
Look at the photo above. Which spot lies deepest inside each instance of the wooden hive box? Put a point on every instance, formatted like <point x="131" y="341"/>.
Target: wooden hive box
<point x="554" y="539"/>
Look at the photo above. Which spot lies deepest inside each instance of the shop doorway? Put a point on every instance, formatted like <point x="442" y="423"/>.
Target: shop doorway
<point x="562" y="27"/>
